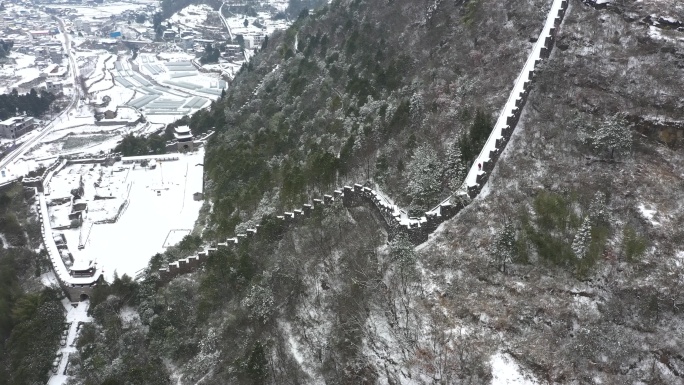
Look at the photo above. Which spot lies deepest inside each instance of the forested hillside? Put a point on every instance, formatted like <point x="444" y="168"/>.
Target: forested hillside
<point x="31" y="316"/>
<point x="342" y="97"/>
<point x="568" y="266"/>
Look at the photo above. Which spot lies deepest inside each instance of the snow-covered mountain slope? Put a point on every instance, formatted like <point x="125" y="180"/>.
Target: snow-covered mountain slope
<point x="566" y="270"/>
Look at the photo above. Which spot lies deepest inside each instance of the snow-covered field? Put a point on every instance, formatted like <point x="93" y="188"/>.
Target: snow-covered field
<point x="192" y="16"/>
<point x="101" y="78"/>
<point x="23" y="71"/>
<point x="158" y="210"/>
<point x="237" y="24"/>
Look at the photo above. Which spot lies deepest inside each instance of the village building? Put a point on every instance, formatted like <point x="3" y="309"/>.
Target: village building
<point x="54" y="87"/>
<point x="15" y="127"/>
<point x="39" y="33"/>
<point x="54" y="71"/>
<point x="188" y="42"/>
<point x="169" y="35"/>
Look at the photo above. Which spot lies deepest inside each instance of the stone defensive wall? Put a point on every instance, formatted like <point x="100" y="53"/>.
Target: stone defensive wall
<point x="510" y="115"/>
<point x="76" y="287"/>
<point x="37" y="181"/>
<point x="395" y="220"/>
<point x="8" y="183"/>
<point x="61" y="162"/>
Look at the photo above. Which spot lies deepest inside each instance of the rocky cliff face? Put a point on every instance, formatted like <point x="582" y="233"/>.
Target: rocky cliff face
<point x="566" y="268"/>
<point x="610" y="323"/>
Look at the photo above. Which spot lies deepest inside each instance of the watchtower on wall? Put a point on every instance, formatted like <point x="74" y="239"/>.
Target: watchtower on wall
<point x="183" y="138"/>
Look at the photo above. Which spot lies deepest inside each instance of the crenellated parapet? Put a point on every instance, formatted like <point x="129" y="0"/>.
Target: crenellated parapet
<point x="38" y="181"/>
<point x="395" y="220"/>
<point x="510" y="115"/>
<point x="76" y="286"/>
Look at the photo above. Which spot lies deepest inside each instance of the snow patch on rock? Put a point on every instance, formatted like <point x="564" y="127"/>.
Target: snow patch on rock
<point x="505" y="371"/>
<point x="649" y="214"/>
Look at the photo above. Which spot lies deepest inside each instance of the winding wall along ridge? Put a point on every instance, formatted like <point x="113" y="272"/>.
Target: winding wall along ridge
<point x="395" y="220"/>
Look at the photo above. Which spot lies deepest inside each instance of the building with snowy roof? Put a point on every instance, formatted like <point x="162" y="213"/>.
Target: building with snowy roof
<point x="83" y="269"/>
<point x="54" y="87"/>
<point x="183" y="138"/>
<point x="15" y="127"/>
<point x="54" y="71"/>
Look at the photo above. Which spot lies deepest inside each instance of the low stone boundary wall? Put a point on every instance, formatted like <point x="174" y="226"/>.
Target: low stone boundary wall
<point x="158" y="158"/>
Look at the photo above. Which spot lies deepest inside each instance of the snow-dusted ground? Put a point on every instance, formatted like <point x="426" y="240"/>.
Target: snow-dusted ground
<point x="103" y="60"/>
<point x="159" y="203"/>
<point x="505" y="371"/>
<point x="175" y="236"/>
<point x="192" y="16"/>
<point x="649" y="214"/>
<point x="12" y="75"/>
<point x="237" y="24"/>
<point x="48" y="279"/>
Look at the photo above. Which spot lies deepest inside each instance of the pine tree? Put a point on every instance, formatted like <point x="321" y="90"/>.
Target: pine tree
<point x="613" y="135"/>
<point x="503" y="250"/>
<point x="454" y="169"/>
<point x="597" y="209"/>
<point x="417" y="109"/>
<point x="633" y="245"/>
<point x="423" y="175"/>
<point x="582" y="241"/>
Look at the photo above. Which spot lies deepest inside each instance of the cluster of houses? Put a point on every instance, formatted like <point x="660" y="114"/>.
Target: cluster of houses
<point x="33" y="33"/>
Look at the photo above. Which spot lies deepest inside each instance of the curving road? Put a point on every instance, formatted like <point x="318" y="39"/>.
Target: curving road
<point x="10" y="159"/>
<point x="223" y="19"/>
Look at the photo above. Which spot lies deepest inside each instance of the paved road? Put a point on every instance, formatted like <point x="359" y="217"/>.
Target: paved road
<point x="75" y="315"/>
<point x="11" y="158"/>
<point x="223" y="19"/>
